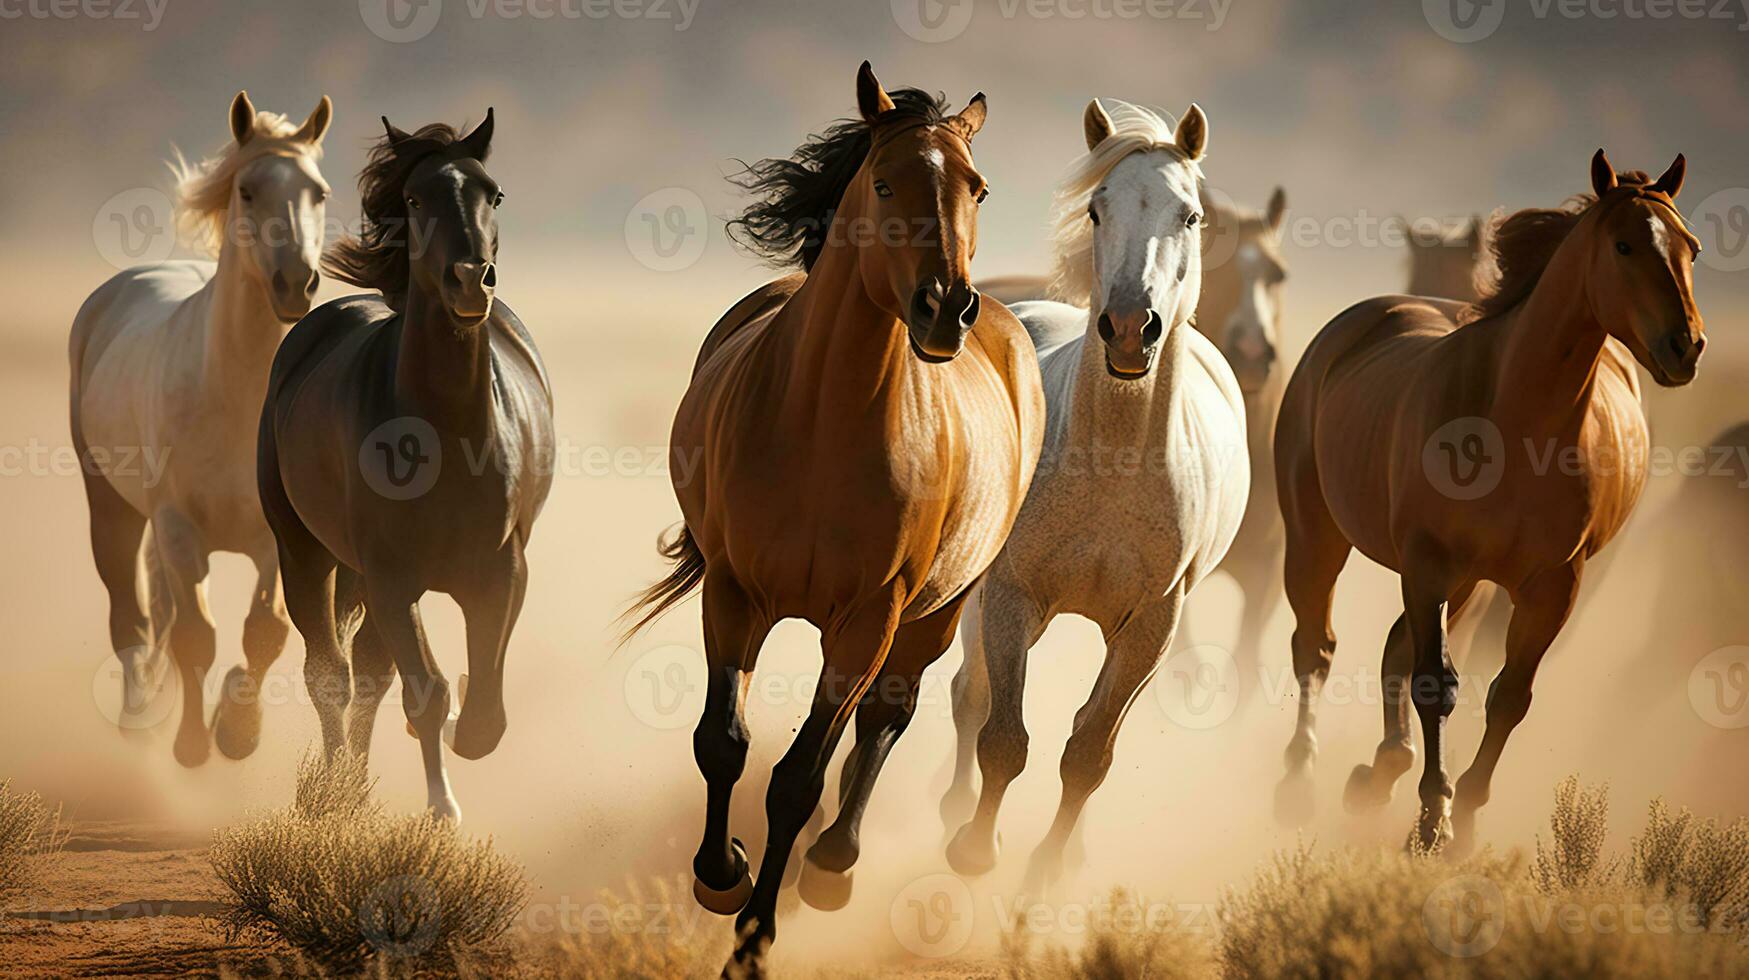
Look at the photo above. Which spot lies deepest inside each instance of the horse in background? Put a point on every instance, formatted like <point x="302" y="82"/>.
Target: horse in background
<point x="868" y="429"/>
<point x="406" y="447"/>
<point x="169" y="362"/>
<point x="1142" y="482"/>
<point x="1411" y="430"/>
<point x="1447" y="265"/>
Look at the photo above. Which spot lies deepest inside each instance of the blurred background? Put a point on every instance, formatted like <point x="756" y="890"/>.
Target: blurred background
<point x="617" y="124"/>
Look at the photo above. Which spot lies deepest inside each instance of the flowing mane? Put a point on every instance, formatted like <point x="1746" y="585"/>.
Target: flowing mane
<point x="796" y="198"/>
<point x="1134" y="129"/>
<point x="376" y="258"/>
<point x="203" y="190"/>
<point x="1525" y="241"/>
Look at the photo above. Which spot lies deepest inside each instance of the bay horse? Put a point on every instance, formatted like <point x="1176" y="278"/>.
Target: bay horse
<point x="407" y="447"/>
<point x="168" y="364"/>
<point x="867" y="430"/>
<point x="1143" y="477"/>
<point x="1503" y="442"/>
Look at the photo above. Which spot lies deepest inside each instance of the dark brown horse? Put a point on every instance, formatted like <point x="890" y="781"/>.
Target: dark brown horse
<point x="1502" y="443"/>
<point x="406" y="447"/>
<point x="868" y="430"/>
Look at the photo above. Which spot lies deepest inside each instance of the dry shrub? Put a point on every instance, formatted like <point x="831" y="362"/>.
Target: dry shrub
<point x="30" y="838"/>
<point x="1580" y="826"/>
<point x="341" y="881"/>
<point x="653" y="931"/>
<point x="1136" y="939"/>
<point x="1695" y="860"/>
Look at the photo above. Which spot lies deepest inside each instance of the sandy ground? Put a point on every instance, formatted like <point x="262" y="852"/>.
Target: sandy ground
<point x="594" y="785"/>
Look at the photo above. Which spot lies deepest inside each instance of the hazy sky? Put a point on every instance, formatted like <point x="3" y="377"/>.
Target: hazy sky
<point x="1361" y="110"/>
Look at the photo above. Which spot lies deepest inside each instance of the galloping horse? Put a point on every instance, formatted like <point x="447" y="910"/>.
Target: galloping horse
<point x="1455" y="444"/>
<point x="868" y="429"/>
<point x="169" y="362"/>
<point x="1143" y="478"/>
<point x="406" y="447"/>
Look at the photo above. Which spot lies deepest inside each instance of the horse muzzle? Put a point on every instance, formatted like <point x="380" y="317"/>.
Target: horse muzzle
<point x="937" y="320"/>
<point x="292" y="296"/>
<point x="1132" y="340"/>
<point x="469" y="289"/>
<point x="1676" y="356"/>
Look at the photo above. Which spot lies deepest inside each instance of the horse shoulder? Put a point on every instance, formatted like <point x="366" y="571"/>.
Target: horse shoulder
<point x="755" y="307"/>
<point x="1008" y="345"/>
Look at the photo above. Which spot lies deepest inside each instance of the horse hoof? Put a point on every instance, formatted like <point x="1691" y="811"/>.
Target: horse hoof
<point x="1294" y="801"/>
<point x="1361" y="795"/>
<point x="237" y="726"/>
<point x="956" y="809"/>
<point x="969" y="856"/>
<point x="448" y="810"/>
<point x="733" y="899"/>
<point x="825" y="890"/>
<point x="192" y="750"/>
<point x="1432" y="833"/>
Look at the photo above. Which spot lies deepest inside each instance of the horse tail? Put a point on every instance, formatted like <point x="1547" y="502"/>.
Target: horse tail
<point x="689" y="565"/>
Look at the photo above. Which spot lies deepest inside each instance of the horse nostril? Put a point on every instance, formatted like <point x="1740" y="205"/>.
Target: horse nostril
<point x="969" y="315"/>
<point x="490" y="281"/>
<point x="1155" y="329"/>
<point x="1106" y="329"/>
<point x="279" y="283"/>
<point x="1699" y="345"/>
<point x="310" y="287"/>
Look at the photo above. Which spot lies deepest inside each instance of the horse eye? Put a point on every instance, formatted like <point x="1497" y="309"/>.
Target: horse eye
<point x="983" y="195"/>
<point x="413" y="203"/>
<point x="1092" y="214"/>
<point x="247" y="195"/>
<point x="498" y="199"/>
<point x="1191" y="220"/>
<point x="1623" y="248"/>
<point x="882" y="189"/>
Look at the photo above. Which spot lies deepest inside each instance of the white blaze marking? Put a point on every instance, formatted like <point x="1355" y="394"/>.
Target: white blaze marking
<point x="1660" y="237"/>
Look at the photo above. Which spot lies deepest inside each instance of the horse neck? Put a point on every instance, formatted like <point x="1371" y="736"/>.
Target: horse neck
<point x="443" y="371"/>
<point x="844" y="341"/>
<point x="1547" y="369"/>
<point x="1112" y="412"/>
<point x="241" y="330"/>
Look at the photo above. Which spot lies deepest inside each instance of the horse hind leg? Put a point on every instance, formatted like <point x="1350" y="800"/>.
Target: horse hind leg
<point x="971" y="709"/>
<point x="1372" y="786"/>
<point x="733" y="633"/>
<point x="117" y="531"/>
<point x="237" y="723"/>
<point x="193" y="640"/>
<point x="373" y="668"/>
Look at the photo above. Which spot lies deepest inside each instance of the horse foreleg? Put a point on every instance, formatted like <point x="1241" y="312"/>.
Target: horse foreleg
<point x="1132" y="654"/>
<point x="1539" y="612"/>
<point x="193" y="641"/>
<point x="733" y="633"/>
<point x="373" y="673"/>
<point x="1433" y="689"/>
<point x="1371" y="787"/>
<point x="116" y="532"/>
<point x="855" y="649"/>
<point x="882" y="716"/>
<point x="1008" y="625"/>
<point x="1262" y="596"/>
<point x="491" y="608"/>
<point x="237" y="724"/>
<point x="393" y="608"/>
<point x="971" y="709"/>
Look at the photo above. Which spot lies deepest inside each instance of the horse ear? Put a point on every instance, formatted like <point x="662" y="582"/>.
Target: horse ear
<point x="1602" y="174"/>
<point x="1096" y="125"/>
<point x="1193" y="133"/>
<point x="316" y="127"/>
<point x="971" y="118"/>
<point x="479" y="142"/>
<point x="871" y="99"/>
<point x="1276" y="210"/>
<point x="395" y="135"/>
<point x="1670" y="184"/>
<point x="242" y="118"/>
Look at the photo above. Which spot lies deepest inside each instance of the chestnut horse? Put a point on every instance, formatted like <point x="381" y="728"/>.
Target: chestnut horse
<point x="868" y="430"/>
<point x="407" y="446"/>
<point x="1440" y="440"/>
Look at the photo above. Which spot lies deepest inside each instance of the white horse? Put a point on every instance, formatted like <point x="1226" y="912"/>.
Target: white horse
<point x="1143" y="479"/>
<point x="169" y="363"/>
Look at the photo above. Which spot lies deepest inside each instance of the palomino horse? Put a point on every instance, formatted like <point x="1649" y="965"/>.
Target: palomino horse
<point x="169" y="362"/>
<point x="868" y="430"/>
<point x="1142" y="482"/>
<point x="1240" y="310"/>
<point x="407" y="447"/>
<point x="1421" y="432"/>
<point x="1445" y="265"/>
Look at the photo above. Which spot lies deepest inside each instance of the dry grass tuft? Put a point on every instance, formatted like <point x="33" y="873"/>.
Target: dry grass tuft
<point x="652" y="931"/>
<point x="1580" y="826"/>
<point x="1126" y="937"/>
<point x="344" y="883"/>
<point x="1699" y="861"/>
<point x="30" y="838"/>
